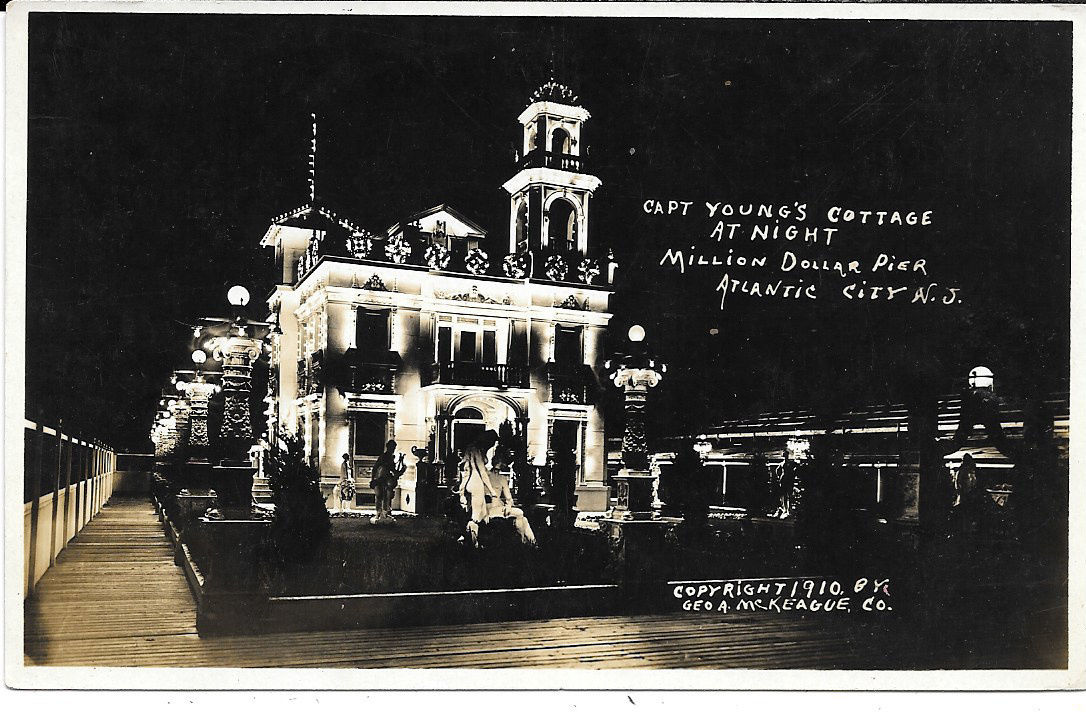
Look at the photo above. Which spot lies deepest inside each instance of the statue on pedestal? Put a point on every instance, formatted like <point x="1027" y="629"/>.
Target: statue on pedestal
<point x="385" y="474"/>
<point x="484" y="491"/>
<point x="343" y="493"/>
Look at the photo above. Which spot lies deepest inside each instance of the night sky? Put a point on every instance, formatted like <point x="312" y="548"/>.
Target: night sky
<point x="160" y="147"/>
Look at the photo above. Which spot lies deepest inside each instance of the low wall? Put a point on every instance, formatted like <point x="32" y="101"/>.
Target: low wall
<point x="132" y="483"/>
<point x="66" y="481"/>
<point x="59" y="516"/>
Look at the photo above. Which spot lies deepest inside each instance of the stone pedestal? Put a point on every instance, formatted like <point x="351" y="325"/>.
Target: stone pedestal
<point x="638" y="558"/>
<point x="230" y="598"/>
<point x="593" y="497"/>
<point x="427" y="495"/>
<point x="193" y="506"/>
<point x="233" y="483"/>
<point x="195" y="476"/>
<point x="635" y="495"/>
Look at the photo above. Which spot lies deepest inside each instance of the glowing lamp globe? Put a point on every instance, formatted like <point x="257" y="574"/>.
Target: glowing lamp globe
<point x="702" y="447"/>
<point x="198" y="356"/>
<point x="636" y="333"/>
<point x="238" y="295"/>
<point x="981" y="377"/>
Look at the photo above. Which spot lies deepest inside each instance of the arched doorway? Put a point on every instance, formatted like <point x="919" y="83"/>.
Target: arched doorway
<point x="467" y="424"/>
<point x="470" y="415"/>
<point x="562" y="226"/>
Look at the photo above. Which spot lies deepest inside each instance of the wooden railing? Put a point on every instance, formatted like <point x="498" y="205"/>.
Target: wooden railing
<point x="66" y="480"/>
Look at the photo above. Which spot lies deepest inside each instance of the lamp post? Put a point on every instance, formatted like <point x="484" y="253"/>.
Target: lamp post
<point x="703" y="447"/>
<point x="198" y="392"/>
<point x="635" y="372"/>
<point x="981" y="378"/>
<point x="237" y="342"/>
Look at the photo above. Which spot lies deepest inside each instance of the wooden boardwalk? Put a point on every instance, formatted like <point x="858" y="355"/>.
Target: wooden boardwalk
<point x="115" y="599"/>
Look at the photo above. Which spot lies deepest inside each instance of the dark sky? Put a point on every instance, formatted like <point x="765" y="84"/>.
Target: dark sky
<point x="161" y="146"/>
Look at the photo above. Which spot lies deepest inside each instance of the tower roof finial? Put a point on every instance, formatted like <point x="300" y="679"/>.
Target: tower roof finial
<point x="555" y="91"/>
<point x="313" y="162"/>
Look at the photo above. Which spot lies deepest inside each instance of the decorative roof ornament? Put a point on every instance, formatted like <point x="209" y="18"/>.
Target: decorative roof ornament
<point x="375" y="284"/>
<point x="313" y="162"/>
<point x="360" y="244"/>
<point x="553" y="90"/>
<point x="571" y="302"/>
<point x="474" y="296"/>
<point x="477" y="261"/>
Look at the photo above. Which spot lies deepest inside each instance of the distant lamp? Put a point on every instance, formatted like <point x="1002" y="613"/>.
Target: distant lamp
<point x="636" y="333"/>
<point x="703" y="447"/>
<point x="238" y="296"/>
<point x="198" y="357"/>
<point x="981" y="378"/>
<point x="798" y="448"/>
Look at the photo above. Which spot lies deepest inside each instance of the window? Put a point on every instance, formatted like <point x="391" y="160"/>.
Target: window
<point x="371" y="333"/>
<point x="467" y="346"/>
<point x="444" y="344"/>
<point x="567" y="345"/>
<point x="369" y="434"/>
<point x="517" y="351"/>
<point x="467" y="339"/>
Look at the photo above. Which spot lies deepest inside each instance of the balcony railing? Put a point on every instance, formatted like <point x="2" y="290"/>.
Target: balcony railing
<point x="470" y="373"/>
<point x="538" y="158"/>
<point x="570" y="390"/>
<point x="372" y="378"/>
<point x="571" y="384"/>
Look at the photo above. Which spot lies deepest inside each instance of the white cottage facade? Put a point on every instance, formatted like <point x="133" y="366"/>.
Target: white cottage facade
<point x="433" y="330"/>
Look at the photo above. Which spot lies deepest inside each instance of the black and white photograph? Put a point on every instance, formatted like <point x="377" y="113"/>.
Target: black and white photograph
<point x="541" y="337"/>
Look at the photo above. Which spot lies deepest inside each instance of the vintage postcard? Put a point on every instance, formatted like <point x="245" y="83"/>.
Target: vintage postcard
<point x="614" y="345"/>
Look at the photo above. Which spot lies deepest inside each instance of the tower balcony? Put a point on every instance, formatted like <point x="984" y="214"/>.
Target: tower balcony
<point x="472" y="373"/>
<point x="539" y="158"/>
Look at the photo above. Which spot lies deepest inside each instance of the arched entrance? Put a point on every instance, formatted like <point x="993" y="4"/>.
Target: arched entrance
<point x="471" y="415"/>
<point x="562" y="226"/>
<point x="467" y="424"/>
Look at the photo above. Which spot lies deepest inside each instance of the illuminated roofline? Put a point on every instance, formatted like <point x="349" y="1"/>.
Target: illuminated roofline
<point x="554" y="108"/>
<point x="467" y="276"/>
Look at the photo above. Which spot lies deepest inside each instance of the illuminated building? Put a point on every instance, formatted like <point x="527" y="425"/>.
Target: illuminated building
<point x="433" y="330"/>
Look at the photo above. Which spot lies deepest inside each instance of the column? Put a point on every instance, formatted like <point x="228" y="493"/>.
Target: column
<point x="237" y="354"/>
<point x="199" y="394"/>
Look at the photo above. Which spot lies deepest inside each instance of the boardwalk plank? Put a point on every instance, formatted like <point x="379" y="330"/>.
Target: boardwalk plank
<point x="115" y="599"/>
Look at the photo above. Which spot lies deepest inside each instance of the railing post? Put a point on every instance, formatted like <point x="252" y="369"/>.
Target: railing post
<point x="67" y="486"/>
<point x="56" y="497"/>
<point x="35" y="495"/>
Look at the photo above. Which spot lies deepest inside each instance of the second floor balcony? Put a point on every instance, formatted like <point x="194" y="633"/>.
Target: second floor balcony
<point x="376" y="378"/>
<point x="473" y="373"/>
<point x="571" y="383"/>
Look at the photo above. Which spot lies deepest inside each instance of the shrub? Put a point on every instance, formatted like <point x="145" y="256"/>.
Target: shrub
<point x="300" y="524"/>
